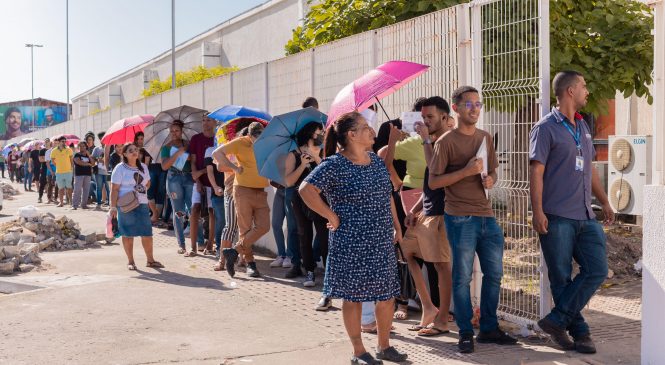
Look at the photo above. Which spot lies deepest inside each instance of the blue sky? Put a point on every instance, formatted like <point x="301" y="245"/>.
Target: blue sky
<point x="106" y="38"/>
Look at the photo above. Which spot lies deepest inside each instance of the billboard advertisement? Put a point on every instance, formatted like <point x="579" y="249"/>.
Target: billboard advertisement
<point x="17" y="120"/>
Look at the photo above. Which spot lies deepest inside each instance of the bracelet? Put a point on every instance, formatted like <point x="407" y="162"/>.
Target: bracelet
<point x="113" y="208"/>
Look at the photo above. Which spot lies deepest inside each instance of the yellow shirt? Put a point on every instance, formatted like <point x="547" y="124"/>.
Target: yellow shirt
<point x="243" y="150"/>
<point x="411" y="151"/>
<point x="62" y="160"/>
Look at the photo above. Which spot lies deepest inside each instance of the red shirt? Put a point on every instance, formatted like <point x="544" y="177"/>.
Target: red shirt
<point x="197" y="147"/>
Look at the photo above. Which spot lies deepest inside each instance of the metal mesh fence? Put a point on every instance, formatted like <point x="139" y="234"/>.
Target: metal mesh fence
<point x="508" y="71"/>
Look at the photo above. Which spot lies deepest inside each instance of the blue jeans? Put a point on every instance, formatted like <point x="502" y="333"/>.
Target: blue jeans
<point x="101" y="181"/>
<point x="282" y="208"/>
<point x="469" y="235"/>
<point x="220" y="220"/>
<point x="157" y="190"/>
<point x="28" y="178"/>
<point x="368" y="316"/>
<point x="584" y="241"/>
<point x="179" y="187"/>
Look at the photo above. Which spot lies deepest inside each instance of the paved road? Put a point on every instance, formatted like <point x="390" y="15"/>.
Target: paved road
<point x="85" y="307"/>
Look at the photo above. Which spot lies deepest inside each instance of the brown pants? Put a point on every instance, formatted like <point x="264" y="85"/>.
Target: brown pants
<point x="253" y="215"/>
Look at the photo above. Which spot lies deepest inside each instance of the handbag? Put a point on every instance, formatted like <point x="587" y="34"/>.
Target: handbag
<point x="406" y="285"/>
<point x="128" y="202"/>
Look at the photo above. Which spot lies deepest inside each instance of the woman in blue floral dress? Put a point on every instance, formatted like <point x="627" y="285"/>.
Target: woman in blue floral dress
<point x="362" y="265"/>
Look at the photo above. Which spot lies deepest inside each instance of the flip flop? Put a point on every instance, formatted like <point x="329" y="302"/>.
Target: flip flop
<point x="191" y="254"/>
<point x="131" y="266"/>
<point x="219" y="266"/>
<point x="432" y="332"/>
<point x="400" y="314"/>
<point x="416" y="327"/>
<point x="155" y="265"/>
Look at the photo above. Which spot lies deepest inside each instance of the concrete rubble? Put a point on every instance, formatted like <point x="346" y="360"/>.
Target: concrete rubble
<point x="8" y="190"/>
<point x="22" y="239"/>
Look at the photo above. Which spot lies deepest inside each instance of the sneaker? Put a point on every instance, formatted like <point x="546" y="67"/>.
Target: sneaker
<point x="391" y="354"/>
<point x="557" y="333"/>
<point x="230" y="255"/>
<point x="39" y="200"/>
<point x="497" y="336"/>
<point x="277" y="262"/>
<point x="287" y="263"/>
<point x="98" y="207"/>
<point x="324" y="304"/>
<point x="310" y="280"/>
<point x="465" y="343"/>
<point x="365" y="359"/>
<point x="294" y="272"/>
<point x="584" y="345"/>
<point x="252" y="271"/>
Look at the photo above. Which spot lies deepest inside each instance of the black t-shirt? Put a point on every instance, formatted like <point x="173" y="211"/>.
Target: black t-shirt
<point x="114" y="160"/>
<point x="42" y="153"/>
<point x="34" y="156"/>
<point x="219" y="176"/>
<point x="433" y="200"/>
<point x="82" y="170"/>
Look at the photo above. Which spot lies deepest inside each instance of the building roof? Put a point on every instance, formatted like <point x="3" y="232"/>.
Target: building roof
<point x="27" y="102"/>
<point x="240" y="17"/>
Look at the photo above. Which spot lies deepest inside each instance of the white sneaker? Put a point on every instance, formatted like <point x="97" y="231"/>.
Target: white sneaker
<point x="278" y="262"/>
<point x="310" y="280"/>
<point x="287" y="263"/>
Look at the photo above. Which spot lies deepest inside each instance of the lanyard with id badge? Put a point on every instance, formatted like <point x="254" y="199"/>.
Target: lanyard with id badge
<point x="579" y="159"/>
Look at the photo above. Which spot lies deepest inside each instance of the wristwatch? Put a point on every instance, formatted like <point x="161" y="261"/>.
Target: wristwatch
<point x="427" y="141"/>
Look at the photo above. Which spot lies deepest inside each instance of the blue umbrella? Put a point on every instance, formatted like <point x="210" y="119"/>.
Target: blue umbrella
<point x="230" y="112"/>
<point x="279" y="138"/>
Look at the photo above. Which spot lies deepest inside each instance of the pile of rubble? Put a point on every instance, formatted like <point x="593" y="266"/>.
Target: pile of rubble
<point x="8" y="190"/>
<point x="22" y="239"/>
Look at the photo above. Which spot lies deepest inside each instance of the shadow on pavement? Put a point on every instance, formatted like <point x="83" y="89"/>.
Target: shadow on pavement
<point x="174" y="278"/>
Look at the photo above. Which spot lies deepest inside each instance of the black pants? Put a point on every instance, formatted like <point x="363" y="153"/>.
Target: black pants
<point x="43" y="182"/>
<point x="2" y="168"/>
<point x="306" y="233"/>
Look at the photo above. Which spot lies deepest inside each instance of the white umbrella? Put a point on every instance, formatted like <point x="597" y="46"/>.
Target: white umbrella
<point x="157" y="134"/>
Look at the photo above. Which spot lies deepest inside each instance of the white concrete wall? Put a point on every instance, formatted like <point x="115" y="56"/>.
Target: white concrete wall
<point x="249" y="39"/>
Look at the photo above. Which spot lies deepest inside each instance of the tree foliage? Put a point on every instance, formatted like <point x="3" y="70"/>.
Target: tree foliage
<point x="196" y="74"/>
<point x="609" y="41"/>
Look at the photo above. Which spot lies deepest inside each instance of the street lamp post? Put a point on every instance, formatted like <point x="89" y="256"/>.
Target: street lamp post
<point x="32" y="79"/>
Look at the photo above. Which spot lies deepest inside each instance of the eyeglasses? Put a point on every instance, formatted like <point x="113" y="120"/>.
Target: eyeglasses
<point x="470" y="105"/>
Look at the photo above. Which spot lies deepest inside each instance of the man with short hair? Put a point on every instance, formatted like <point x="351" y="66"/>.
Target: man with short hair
<point x="63" y="158"/>
<point x="426" y="234"/>
<point x="251" y="199"/>
<point x="202" y="189"/>
<point x="42" y="170"/>
<point x="562" y="180"/>
<point x="470" y="223"/>
<point x="101" y="171"/>
<point x="311" y="101"/>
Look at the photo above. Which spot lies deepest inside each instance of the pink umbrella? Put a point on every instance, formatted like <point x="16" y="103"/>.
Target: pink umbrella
<point x="373" y="86"/>
<point x="124" y="130"/>
<point x="33" y="145"/>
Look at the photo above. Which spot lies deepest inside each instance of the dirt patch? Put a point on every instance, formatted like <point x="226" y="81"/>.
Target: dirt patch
<point x="624" y="249"/>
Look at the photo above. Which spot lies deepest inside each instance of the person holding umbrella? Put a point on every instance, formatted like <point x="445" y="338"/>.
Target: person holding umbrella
<point x="179" y="182"/>
<point x="251" y="199"/>
<point x="362" y="265"/>
<point x="299" y="164"/>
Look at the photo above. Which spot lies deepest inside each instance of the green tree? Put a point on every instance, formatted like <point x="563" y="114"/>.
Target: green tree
<point x="196" y="74"/>
<point x="609" y="41"/>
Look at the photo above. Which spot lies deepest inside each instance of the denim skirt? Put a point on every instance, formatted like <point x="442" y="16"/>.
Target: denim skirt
<point x="135" y="223"/>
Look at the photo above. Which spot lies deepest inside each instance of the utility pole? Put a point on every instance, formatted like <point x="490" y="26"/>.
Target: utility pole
<point x="172" y="44"/>
<point x="69" y="112"/>
<point x="32" y="78"/>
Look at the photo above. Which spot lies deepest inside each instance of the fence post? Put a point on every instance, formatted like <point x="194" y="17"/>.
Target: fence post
<point x="544" y="75"/>
<point x="464" y="45"/>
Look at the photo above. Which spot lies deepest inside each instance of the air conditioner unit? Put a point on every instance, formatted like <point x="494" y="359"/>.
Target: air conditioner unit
<point x="629" y="170"/>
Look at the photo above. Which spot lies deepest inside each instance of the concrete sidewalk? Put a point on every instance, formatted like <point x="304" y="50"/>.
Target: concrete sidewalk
<point x="88" y="308"/>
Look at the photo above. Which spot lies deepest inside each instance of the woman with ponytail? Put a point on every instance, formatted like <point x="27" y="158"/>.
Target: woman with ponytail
<point x="363" y="224"/>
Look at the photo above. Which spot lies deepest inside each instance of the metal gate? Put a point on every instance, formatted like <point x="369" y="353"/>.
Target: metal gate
<point x="510" y="40"/>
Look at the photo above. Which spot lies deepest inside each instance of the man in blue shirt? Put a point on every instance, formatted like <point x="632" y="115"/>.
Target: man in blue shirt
<point x="562" y="181"/>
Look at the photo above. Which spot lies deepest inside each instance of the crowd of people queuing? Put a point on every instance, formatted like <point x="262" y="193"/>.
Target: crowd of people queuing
<point x="358" y="203"/>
